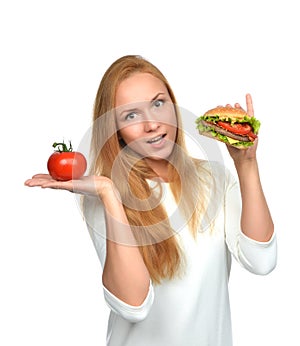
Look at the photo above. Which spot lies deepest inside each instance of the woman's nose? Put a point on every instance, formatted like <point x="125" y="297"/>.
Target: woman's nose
<point x="151" y="125"/>
<point x="150" y="121"/>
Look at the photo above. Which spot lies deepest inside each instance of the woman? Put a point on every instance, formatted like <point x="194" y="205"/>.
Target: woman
<point x="164" y="224"/>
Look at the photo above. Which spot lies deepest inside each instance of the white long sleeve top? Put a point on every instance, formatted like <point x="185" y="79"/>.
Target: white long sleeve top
<point x="192" y="310"/>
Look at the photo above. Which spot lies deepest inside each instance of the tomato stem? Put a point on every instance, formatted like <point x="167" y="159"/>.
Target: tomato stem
<point x="62" y="147"/>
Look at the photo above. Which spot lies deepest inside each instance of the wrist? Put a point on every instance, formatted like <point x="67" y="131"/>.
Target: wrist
<point x="109" y="195"/>
<point x="104" y="187"/>
<point x="247" y="171"/>
<point x="245" y="163"/>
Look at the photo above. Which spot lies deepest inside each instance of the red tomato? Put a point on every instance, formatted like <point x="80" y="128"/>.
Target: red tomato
<point x="66" y="165"/>
<point x="252" y="136"/>
<point x="239" y="129"/>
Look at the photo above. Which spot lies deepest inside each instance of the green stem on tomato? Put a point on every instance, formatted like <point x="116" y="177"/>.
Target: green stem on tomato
<point x="63" y="148"/>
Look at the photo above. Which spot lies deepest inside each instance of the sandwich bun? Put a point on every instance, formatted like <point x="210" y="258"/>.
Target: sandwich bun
<point x="227" y="112"/>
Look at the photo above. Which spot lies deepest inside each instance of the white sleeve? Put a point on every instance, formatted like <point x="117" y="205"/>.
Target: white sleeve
<point x="257" y="257"/>
<point x="95" y="221"/>
<point x="129" y="312"/>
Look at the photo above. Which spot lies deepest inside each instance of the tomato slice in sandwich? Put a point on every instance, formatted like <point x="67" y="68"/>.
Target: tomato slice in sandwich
<point x="237" y="128"/>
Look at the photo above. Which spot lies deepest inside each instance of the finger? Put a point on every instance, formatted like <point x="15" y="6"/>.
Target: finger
<point x="56" y="184"/>
<point x="249" y="103"/>
<point x="41" y="175"/>
<point x="228" y="105"/>
<point x="34" y="182"/>
<point x="27" y="182"/>
<point x="38" y="179"/>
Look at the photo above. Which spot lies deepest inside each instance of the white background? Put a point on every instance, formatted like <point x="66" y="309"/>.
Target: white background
<point x="53" y="55"/>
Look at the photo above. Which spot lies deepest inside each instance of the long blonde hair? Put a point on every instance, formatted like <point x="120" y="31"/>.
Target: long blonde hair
<point x="151" y="227"/>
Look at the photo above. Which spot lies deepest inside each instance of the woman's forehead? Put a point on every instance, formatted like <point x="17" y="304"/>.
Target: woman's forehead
<point x="137" y="88"/>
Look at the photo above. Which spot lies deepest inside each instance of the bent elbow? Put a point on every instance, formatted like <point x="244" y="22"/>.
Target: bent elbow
<point x="264" y="269"/>
<point x="259" y="258"/>
<point x="131" y="313"/>
<point x="137" y="315"/>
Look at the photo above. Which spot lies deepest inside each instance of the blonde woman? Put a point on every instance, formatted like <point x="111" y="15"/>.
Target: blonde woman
<point x="165" y="225"/>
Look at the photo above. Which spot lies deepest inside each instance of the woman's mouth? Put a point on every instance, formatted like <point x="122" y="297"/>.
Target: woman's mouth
<point x="157" y="139"/>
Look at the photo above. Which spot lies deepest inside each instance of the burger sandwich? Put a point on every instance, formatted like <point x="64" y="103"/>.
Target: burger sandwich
<point x="229" y="125"/>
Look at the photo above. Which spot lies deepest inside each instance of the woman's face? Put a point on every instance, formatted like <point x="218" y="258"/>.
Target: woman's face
<point x="145" y="116"/>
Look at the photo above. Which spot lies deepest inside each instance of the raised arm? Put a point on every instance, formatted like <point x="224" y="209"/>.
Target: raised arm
<point x="256" y="220"/>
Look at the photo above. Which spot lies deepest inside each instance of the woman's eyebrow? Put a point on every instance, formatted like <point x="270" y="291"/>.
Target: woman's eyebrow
<point x="156" y="96"/>
<point x="136" y="109"/>
<point x="128" y="110"/>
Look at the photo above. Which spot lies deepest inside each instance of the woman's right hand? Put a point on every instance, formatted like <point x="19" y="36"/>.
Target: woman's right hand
<point x="87" y="185"/>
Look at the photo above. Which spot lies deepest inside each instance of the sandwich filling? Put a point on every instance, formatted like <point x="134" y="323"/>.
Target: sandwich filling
<point x="234" y="131"/>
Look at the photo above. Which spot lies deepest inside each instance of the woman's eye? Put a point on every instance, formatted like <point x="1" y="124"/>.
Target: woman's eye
<point x="130" y="116"/>
<point x="158" y="103"/>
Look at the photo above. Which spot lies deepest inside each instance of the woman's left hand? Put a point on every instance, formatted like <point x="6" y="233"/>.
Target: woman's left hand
<point x="239" y="155"/>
